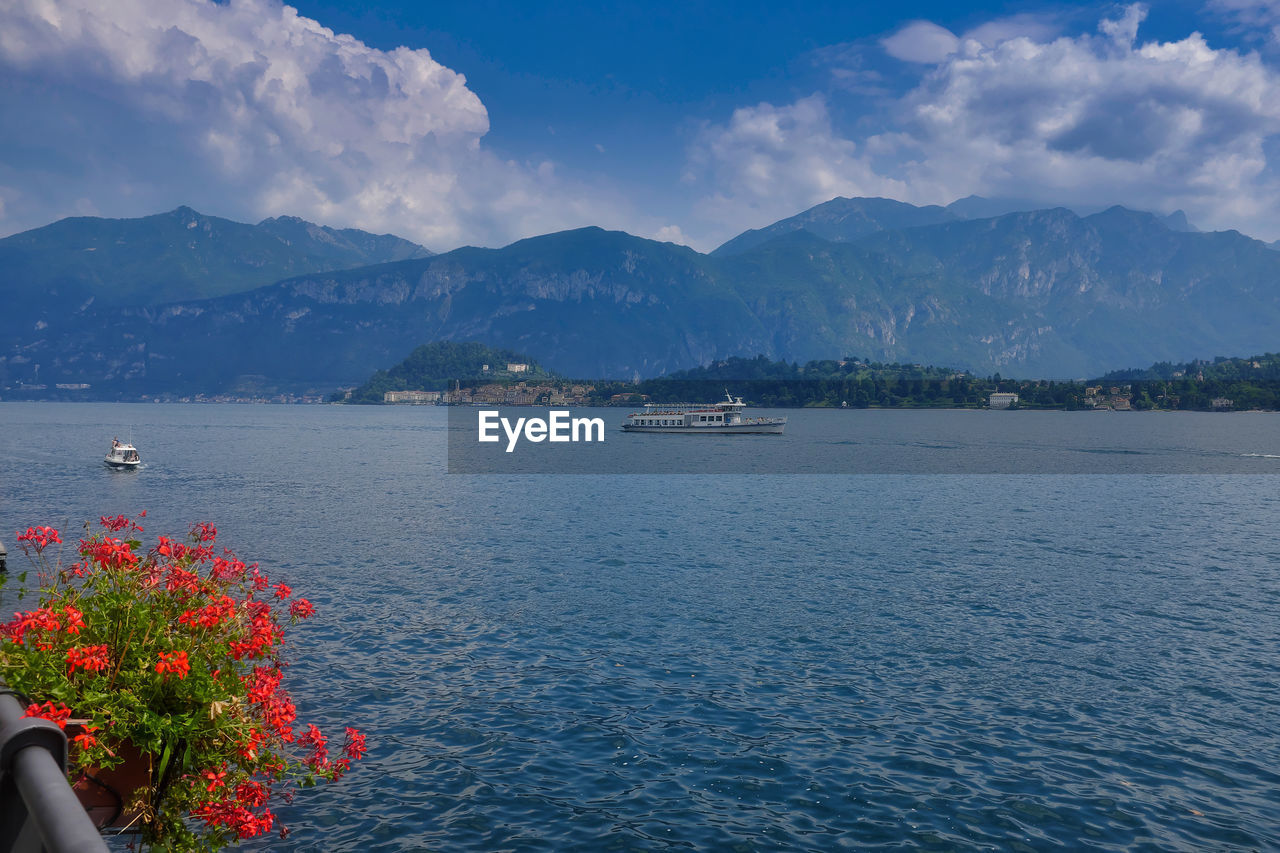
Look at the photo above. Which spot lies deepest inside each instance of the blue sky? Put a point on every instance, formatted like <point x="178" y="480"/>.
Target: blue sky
<point x="479" y="123"/>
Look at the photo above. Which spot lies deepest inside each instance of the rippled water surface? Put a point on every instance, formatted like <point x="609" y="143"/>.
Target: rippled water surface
<point x="726" y="662"/>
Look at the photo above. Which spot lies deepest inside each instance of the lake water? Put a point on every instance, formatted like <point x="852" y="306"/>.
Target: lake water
<point x="737" y="662"/>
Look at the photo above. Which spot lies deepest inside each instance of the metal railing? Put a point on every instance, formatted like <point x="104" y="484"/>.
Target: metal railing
<point x="38" y="809"/>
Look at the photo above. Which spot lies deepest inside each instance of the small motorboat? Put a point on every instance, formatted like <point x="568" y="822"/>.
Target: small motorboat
<point x="122" y="455"/>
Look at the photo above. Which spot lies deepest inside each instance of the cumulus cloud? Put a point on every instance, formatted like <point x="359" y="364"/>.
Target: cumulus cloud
<point x="247" y="109"/>
<point x="921" y="41"/>
<point x="769" y="162"/>
<point x="671" y="234"/>
<point x="1092" y="118"/>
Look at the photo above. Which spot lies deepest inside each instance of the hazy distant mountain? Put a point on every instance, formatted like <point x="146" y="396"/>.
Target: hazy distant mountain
<point x="841" y="220"/>
<point x="587" y="303"/>
<point x="1045" y="293"/>
<point x="181" y="254"/>
<point x="977" y="207"/>
<point x="1041" y="293"/>
<point x="1177" y="221"/>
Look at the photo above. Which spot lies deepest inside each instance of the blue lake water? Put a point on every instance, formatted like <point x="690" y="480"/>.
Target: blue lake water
<point x="735" y="662"/>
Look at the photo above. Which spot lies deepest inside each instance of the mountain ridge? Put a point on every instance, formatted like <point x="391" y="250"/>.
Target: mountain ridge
<point x="1044" y="293"/>
<point x="178" y="254"/>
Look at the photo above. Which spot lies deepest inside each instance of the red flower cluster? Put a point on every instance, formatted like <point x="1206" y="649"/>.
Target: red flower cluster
<point x="59" y="713"/>
<point x="86" y="739"/>
<point x="232" y="812"/>
<point x="226" y="569"/>
<point x="355" y="748"/>
<point x="88" y="658"/>
<point x="211" y="615"/>
<point x="39" y="537"/>
<point x="174" y="662"/>
<point x="120" y="522"/>
<point x="112" y="553"/>
<point x="274" y="706"/>
<point x="120" y="624"/>
<point x="75" y="619"/>
<point x="39" y="622"/>
<point x="168" y="548"/>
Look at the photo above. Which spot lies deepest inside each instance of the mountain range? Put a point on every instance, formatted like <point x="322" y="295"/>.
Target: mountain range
<point x="1048" y="293"/>
<point x="177" y="255"/>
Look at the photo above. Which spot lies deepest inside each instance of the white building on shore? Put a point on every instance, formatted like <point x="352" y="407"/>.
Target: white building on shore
<point x="415" y="398"/>
<point x="1002" y="400"/>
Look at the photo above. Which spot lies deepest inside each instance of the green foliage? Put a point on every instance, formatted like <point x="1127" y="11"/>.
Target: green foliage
<point x="172" y="656"/>
<point x="436" y="366"/>
<point x="858" y="384"/>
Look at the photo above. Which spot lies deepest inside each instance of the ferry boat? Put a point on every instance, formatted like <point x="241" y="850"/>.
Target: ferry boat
<point x="714" y="418"/>
<point x="122" y="455"/>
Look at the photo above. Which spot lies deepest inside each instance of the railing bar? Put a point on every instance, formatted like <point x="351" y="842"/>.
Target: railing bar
<point x="63" y="825"/>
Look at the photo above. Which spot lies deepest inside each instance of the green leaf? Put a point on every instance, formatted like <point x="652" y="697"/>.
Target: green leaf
<point x="164" y="758"/>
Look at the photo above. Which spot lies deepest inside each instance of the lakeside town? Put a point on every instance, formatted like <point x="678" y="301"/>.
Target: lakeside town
<point x="469" y="374"/>
<point x="1096" y="397"/>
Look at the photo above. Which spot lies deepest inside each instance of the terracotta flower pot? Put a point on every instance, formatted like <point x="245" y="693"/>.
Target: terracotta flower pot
<point x="106" y="793"/>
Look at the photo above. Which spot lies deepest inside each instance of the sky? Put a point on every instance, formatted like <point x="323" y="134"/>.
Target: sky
<point x="484" y="122"/>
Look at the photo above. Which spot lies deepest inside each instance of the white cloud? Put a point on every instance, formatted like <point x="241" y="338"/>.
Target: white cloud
<point x="1257" y="19"/>
<point x="921" y="41"/>
<point x="1160" y="125"/>
<point x="246" y="109"/>
<point x="769" y="162"/>
<point x="1124" y="30"/>
<point x="1087" y="119"/>
<point x="671" y="234"/>
<point x="1025" y="25"/>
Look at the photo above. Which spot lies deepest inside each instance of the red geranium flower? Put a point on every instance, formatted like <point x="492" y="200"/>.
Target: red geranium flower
<point x="175" y="662"/>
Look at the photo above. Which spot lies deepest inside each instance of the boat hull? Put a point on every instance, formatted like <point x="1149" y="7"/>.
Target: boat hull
<point x="115" y="463"/>
<point x="729" y="429"/>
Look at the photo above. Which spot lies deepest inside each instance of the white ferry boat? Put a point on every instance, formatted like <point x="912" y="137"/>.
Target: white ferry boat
<point x="122" y="455"/>
<point x="714" y="418"/>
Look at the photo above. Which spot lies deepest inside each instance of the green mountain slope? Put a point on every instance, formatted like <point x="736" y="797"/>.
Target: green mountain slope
<point x="1033" y="294"/>
<point x="177" y="255"/>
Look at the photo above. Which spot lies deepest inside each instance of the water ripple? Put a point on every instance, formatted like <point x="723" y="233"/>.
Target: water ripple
<point x="732" y="663"/>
